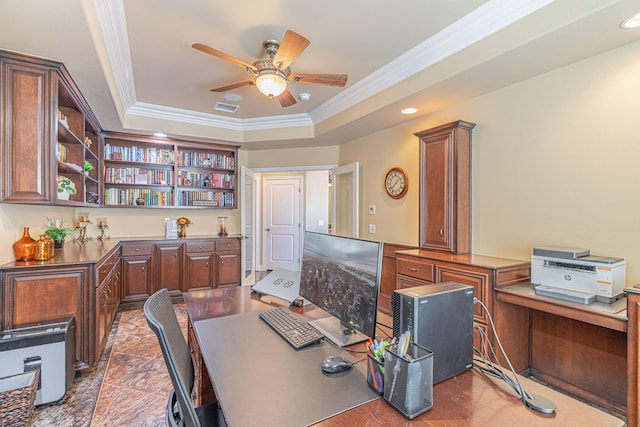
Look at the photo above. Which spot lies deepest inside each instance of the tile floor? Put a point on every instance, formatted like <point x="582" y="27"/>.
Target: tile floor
<point x="129" y="386"/>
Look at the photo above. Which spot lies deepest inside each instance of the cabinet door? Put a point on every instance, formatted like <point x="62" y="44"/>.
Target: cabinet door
<point x="103" y="316"/>
<point x="136" y="278"/>
<point x="228" y="268"/>
<point x="168" y="259"/>
<point x="445" y="187"/>
<point x="199" y="271"/>
<point x="27" y="175"/>
<point x="481" y="287"/>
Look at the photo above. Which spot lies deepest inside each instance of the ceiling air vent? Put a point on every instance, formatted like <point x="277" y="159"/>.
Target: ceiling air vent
<point x="227" y="108"/>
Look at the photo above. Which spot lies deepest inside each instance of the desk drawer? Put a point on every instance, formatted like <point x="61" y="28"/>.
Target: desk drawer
<point x="201" y="247"/>
<point x="414" y="268"/>
<point x="133" y="249"/>
<point x="227" y="245"/>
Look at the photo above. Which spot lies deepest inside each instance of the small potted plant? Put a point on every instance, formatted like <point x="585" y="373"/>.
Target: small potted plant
<point x="88" y="167"/>
<point x="57" y="231"/>
<point x="66" y="187"/>
<point x="183" y="223"/>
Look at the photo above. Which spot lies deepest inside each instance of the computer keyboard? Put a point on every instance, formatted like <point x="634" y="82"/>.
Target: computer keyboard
<point x="294" y="330"/>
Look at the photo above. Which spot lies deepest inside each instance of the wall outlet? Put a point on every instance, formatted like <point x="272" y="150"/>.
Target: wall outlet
<point x="372" y="229"/>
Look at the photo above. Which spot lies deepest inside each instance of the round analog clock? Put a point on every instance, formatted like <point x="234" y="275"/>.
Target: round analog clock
<point x="396" y="183"/>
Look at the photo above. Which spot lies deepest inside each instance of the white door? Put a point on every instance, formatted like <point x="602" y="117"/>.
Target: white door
<point x="345" y="190"/>
<point x="248" y="215"/>
<point x="282" y="212"/>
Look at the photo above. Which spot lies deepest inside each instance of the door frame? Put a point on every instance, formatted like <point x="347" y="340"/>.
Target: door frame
<point x="275" y="171"/>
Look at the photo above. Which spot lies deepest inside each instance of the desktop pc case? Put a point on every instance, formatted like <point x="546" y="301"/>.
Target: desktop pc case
<point x="440" y="318"/>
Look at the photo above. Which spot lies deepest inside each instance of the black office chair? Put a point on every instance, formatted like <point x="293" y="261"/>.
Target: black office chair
<point x="162" y="320"/>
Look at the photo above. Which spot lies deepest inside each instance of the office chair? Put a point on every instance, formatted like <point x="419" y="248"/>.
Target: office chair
<point x="162" y="320"/>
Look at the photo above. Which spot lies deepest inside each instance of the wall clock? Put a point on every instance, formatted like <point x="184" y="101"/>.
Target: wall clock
<point x="396" y="183"/>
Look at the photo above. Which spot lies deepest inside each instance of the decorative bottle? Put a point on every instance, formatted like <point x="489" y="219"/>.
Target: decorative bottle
<point x="25" y="248"/>
<point x="42" y="251"/>
<point x="50" y="246"/>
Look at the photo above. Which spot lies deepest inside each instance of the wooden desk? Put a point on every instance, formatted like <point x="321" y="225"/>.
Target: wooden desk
<point x="580" y="349"/>
<point x="468" y="399"/>
<point x="633" y="356"/>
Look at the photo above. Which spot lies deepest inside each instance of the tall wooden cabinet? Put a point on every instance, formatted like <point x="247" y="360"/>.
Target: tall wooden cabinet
<point x="445" y="187"/>
<point x="46" y="133"/>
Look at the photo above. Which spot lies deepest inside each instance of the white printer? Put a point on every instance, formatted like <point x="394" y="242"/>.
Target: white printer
<point x="576" y="275"/>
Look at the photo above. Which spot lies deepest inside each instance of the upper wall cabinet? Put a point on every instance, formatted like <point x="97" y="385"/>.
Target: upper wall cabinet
<point x="159" y="172"/>
<point x="445" y="187"/>
<point x="47" y="132"/>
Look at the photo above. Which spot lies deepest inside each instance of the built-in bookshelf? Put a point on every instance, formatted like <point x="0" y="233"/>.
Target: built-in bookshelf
<point x="159" y="172"/>
<point x="76" y="147"/>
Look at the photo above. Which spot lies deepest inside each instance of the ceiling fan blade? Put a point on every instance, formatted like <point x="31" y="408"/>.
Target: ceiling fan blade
<point x="233" y="86"/>
<point x="322" y="79"/>
<point x="218" y="54"/>
<point x="291" y="46"/>
<point x="286" y="99"/>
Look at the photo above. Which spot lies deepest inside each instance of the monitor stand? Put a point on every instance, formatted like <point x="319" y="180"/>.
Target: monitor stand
<point x="334" y="330"/>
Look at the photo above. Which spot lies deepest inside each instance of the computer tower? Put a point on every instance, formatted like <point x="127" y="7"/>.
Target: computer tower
<point x="440" y="318"/>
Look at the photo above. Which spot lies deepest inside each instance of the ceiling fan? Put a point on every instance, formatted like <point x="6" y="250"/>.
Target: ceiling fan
<point x="272" y="74"/>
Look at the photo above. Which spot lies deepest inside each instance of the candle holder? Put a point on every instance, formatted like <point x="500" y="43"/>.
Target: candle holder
<point x="81" y="228"/>
<point x="223" y="226"/>
<point x="102" y="226"/>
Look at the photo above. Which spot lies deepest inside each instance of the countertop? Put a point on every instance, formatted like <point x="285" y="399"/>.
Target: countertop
<point x="95" y="250"/>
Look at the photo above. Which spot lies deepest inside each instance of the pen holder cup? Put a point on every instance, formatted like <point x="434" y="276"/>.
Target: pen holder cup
<point x="408" y="380"/>
<point x="375" y="374"/>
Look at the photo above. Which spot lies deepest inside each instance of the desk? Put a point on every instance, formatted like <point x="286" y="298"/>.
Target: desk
<point x="578" y="348"/>
<point x="468" y="399"/>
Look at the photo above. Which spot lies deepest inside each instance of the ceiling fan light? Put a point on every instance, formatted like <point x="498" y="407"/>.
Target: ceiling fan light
<point x="271" y="84"/>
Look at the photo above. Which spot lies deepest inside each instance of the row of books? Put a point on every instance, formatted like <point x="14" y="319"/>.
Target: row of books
<point x="205" y="160"/>
<point x="137" y="196"/>
<point x="138" y="154"/>
<point x="205" y="198"/>
<point x="138" y="176"/>
<point x="217" y="180"/>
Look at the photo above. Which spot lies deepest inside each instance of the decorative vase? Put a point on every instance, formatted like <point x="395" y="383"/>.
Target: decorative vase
<point x="25" y="248"/>
<point x="58" y="244"/>
<point x="50" y="246"/>
<point x="182" y="230"/>
<point x="42" y="250"/>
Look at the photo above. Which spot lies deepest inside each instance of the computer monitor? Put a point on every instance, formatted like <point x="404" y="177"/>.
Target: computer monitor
<point x="341" y="275"/>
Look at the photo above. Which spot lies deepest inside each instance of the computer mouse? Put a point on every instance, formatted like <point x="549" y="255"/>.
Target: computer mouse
<point x="333" y="364"/>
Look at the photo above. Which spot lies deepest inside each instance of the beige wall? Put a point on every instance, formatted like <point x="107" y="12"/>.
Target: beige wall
<point x="555" y="162"/>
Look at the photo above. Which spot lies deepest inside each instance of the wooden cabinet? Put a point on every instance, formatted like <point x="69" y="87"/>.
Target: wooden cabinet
<point x="136" y="271"/>
<point x="145" y="171"/>
<point x="228" y="262"/>
<point x="202" y="391"/>
<point x="179" y="265"/>
<point x="445" y="187"/>
<point x="45" y="133"/>
<point x="199" y="266"/>
<point x="168" y="262"/>
<point x="107" y="298"/>
<point x="418" y="267"/>
<point x="46" y="294"/>
<point x="388" y="276"/>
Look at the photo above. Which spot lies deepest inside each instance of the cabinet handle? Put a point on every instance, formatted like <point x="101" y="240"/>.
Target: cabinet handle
<point x="200" y="247"/>
<point x="143" y="269"/>
<point x="221" y="262"/>
<point x="442" y="232"/>
<point x="207" y="264"/>
<point x="413" y="269"/>
<point x="175" y="255"/>
<point x="228" y="245"/>
<point x="137" y="249"/>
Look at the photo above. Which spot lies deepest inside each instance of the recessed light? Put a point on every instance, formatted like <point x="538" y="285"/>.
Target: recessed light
<point x="160" y="134"/>
<point x="409" y="110"/>
<point x="631" y="22"/>
<point x="233" y="97"/>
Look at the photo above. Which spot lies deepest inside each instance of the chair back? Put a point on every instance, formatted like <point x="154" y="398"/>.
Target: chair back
<point x="162" y="320"/>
